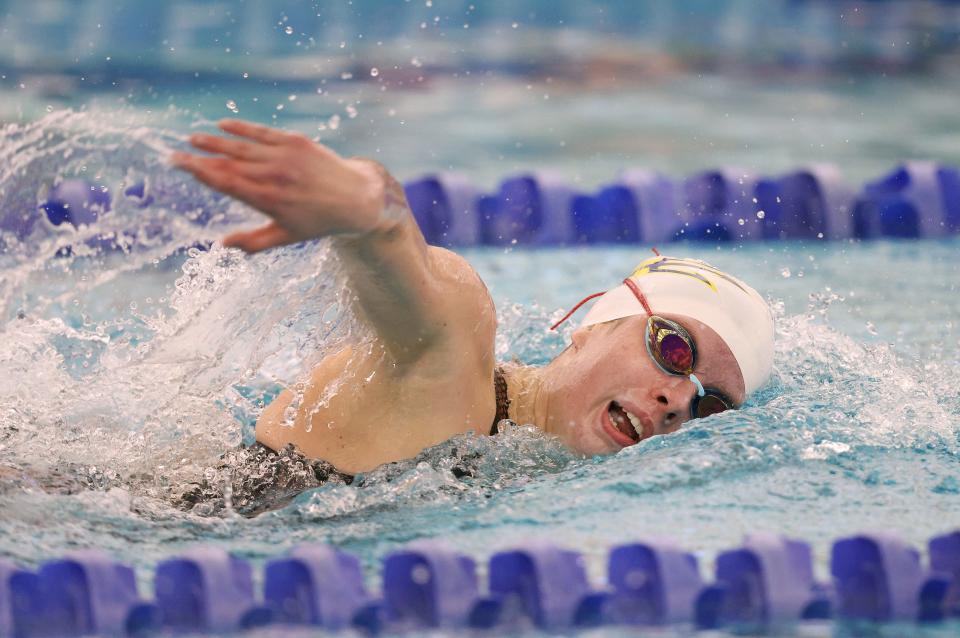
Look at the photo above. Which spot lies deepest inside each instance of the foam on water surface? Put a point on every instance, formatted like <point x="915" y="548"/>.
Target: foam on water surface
<point x="124" y="375"/>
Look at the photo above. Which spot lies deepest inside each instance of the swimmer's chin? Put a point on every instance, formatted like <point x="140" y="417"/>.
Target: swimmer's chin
<point x="589" y="440"/>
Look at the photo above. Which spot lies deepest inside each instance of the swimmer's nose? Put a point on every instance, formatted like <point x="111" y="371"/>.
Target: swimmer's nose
<point x="673" y="403"/>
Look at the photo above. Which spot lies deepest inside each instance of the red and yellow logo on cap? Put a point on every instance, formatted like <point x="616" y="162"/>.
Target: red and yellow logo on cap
<point x="693" y="268"/>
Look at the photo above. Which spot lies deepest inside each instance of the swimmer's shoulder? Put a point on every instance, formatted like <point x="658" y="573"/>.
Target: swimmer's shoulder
<point x="472" y="313"/>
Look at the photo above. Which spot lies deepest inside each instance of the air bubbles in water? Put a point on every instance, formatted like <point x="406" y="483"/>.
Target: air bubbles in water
<point x="374" y="72"/>
<point x="288" y="30"/>
<point x="232" y="106"/>
<point x="785" y="273"/>
<point x="351" y="111"/>
<point x="761" y="214"/>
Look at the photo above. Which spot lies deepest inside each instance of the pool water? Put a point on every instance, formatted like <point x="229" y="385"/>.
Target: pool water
<point x="124" y="375"/>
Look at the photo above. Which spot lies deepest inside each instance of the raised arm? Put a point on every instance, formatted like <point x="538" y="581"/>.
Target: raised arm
<point x="407" y="290"/>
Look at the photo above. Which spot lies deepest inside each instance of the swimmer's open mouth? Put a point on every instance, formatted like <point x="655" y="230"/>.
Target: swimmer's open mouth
<point x="626" y="423"/>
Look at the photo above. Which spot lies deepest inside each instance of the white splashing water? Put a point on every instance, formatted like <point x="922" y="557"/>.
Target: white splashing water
<point x="127" y="370"/>
<point x="142" y="359"/>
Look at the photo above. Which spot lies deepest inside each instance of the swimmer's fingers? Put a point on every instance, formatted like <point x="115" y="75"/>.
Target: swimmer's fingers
<point x="232" y="148"/>
<point x="257" y="171"/>
<point x="237" y="179"/>
<point x="256" y="132"/>
<point x="293" y="147"/>
<point x="263" y="238"/>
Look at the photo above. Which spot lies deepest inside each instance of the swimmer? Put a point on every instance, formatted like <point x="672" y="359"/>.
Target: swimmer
<point x="677" y="340"/>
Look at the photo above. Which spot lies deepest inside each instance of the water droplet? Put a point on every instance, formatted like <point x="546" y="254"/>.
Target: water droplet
<point x="346" y="75"/>
<point x="872" y="329"/>
<point x="741" y="221"/>
<point x="49" y="108"/>
<point x="232" y="106"/>
<point x="420" y="574"/>
<point x="351" y="111"/>
<point x="288" y="30"/>
<point x="374" y="72"/>
<point x="334" y="122"/>
<point x="785" y="273"/>
<point x="279" y="107"/>
<point x="245" y="75"/>
<point x="292" y="98"/>
<point x="761" y="214"/>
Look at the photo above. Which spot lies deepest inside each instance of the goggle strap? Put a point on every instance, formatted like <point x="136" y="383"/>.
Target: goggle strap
<point x="628" y="282"/>
<point x="635" y="289"/>
<point x="575" y="308"/>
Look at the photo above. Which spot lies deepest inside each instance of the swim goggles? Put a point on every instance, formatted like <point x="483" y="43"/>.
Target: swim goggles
<point x="674" y="351"/>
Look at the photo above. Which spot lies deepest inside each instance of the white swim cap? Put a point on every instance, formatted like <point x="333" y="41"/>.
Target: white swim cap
<point x="691" y="287"/>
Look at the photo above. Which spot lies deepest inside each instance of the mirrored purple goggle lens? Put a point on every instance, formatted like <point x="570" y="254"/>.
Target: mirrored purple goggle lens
<point x="676" y="355"/>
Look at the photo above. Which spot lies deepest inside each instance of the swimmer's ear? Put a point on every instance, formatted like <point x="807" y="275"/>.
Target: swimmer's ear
<point x="583" y="334"/>
<point x="580" y="337"/>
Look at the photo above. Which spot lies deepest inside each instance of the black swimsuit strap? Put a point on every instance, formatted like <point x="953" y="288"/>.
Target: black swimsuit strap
<point x="503" y="401"/>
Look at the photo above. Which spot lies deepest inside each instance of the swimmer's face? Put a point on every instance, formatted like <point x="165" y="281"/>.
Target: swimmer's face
<point x="608" y="369"/>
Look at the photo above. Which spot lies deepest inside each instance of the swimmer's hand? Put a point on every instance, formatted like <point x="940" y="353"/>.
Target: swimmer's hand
<point x="306" y="189"/>
<point x="419" y="299"/>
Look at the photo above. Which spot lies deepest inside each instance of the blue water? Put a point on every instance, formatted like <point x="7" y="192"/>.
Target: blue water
<point x="159" y="346"/>
<point x="124" y="375"/>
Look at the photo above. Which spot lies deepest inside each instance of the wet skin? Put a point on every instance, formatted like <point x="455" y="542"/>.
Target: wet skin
<point x="609" y="362"/>
<point x="426" y="372"/>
